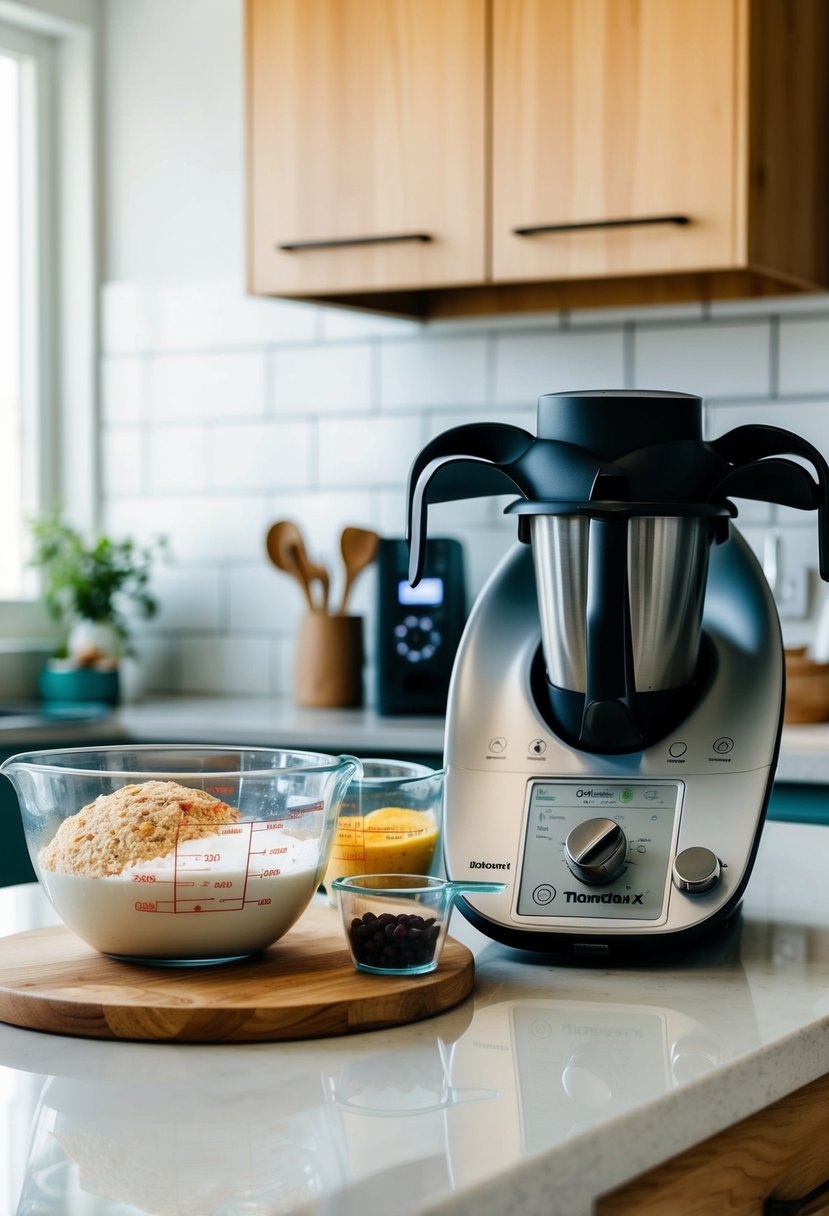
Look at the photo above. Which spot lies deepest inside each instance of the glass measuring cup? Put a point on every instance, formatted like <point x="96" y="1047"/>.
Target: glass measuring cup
<point x="390" y="822"/>
<point x="179" y="854"/>
<point x="395" y="924"/>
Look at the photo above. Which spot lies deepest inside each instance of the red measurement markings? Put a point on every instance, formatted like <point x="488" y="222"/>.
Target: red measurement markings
<point x="142" y="905"/>
<point x="247" y="864"/>
<point x="143" y="878"/>
<point x="297" y="812"/>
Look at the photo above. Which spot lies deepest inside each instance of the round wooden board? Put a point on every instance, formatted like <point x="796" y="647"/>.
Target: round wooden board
<point x="303" y="987"/>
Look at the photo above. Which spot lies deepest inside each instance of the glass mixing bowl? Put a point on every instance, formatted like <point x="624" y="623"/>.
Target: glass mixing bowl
<point x="179" y="854"/>
<point x="390" y="822"/>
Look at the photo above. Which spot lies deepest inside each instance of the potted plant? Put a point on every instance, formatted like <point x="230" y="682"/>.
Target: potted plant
<point x="87" y="588"/>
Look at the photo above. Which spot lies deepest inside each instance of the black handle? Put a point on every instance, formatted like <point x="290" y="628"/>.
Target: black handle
<point x="464" y="462"/>
<point x="757" y="443"/>
<point x="580" y="225"/>
<point x="343" y="242"/>
<point x="813" y="1204"/>
<point x="608" y="720"/>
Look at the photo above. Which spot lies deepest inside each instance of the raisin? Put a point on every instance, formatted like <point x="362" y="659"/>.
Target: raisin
<point x="393" y="942"/>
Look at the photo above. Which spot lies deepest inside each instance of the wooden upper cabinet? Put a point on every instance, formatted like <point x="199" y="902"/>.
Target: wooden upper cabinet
<point x="618" y="113"/>
<point x="366" y="144"/>
<point x="446" y="157"/>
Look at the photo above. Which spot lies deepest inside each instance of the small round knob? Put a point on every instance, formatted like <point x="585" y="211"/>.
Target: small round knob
<point x="596" y="850"/>
<point x="696" y="870"/>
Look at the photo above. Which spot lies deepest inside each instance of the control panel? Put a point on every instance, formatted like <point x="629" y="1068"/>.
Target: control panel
<point x="599" y="848"/>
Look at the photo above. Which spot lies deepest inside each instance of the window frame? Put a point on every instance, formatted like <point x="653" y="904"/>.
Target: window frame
<point x="63" y="36"/>
<point x="36" y="54"/>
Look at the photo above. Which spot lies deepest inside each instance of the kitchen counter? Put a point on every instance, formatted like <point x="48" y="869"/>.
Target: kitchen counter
<point x="549" y="1086"/>
<point x="277" y="722"/>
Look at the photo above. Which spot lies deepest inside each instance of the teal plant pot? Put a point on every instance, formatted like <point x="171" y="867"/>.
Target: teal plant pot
<point x="79" y="684"/>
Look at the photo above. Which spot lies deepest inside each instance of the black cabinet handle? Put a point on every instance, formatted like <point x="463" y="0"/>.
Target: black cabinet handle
<point x="813" y="1204"/>
<point x="580" y="225"/>
<point x="348" y="241"/>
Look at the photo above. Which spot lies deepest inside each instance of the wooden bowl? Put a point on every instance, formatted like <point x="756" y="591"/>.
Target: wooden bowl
<point x="807" y="688"/>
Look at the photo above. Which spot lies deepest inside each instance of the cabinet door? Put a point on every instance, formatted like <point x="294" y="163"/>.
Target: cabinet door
<point x="614" y="110"/>
<point x="366" y="123"/>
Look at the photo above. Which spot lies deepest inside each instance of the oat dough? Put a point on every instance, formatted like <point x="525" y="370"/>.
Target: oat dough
<point x="134" y="824"/>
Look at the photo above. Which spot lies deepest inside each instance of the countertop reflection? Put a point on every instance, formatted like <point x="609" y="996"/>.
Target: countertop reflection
<point x="551" y="1084"/>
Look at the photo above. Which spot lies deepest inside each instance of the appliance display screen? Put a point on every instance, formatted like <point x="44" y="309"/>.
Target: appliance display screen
<point x="646" y="811"/>
<point x="429" y="591"/>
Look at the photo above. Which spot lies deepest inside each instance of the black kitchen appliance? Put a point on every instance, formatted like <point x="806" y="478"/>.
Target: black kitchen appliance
<point x="418" y="628"/>
<point x="614" y="715"/>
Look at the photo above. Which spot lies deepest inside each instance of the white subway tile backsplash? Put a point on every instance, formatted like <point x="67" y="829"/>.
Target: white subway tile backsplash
<point x="124" y="323"/>
<point x="282" y="660"/>
<point x="263" y="600"/>
<point x="187" y="599"/>
<point x="122" y="462"/>
<point x="521" y="415"/>
<point x="808" y="419"/>
<point x="123" y="392"/>
<point x="222" y="664"/>
<point x="450" y="372"/>
<point x="258" y="456"/>
<point x="197" y="387"/>
<point x="153" y="668"/>
<point x="376" y="451"/>
<point x="710" y="359"/>
<point x="199" y="528"/>
<point x="804" y="356"/>
<point x="177" y="460"/>
<point x="323" y="379"/>
<point x="203" y="316"/>
<point x="138" y="318"/>
<point x="221" y="414"/>
<point x="337" y="324"/>
<point x="528" y="365"/>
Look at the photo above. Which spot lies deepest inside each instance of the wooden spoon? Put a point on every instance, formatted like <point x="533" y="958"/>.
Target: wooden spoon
<point x="283" y="550"/>
<point x="359" y="548"/>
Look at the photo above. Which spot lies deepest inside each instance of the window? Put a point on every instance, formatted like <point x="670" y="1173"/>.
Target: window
<point x="26" y="348"/>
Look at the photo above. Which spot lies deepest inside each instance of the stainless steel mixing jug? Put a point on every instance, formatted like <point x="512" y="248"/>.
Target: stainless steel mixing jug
<point x="621" y="499"/>
<point x="666" y="572"/>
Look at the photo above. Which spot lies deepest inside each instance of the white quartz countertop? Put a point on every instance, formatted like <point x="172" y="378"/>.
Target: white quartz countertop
<point x="549" y="1086"/>
<point x="277" y="722"/>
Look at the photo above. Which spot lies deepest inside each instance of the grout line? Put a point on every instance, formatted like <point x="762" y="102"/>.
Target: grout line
<point x="774" y="357"/>
<point x="629" y="354"/>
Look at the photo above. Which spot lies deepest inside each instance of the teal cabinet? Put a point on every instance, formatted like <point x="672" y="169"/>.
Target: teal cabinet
<point x="799" y="803"/>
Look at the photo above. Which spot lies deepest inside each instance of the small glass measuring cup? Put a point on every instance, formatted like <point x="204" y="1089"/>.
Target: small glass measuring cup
<point x="390" y="822"/>
<point x="179" y="854"/>
<point x="395" y="924"/>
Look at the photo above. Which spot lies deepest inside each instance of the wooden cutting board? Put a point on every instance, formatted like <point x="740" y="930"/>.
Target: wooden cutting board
<point x="303" y="987"/>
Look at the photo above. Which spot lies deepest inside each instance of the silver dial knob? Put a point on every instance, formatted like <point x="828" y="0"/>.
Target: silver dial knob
<point x="596" y="850"/>
<point x="696" y="870"/>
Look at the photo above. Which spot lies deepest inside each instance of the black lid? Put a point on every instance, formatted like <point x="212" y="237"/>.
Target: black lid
<point x="611" y="423"/>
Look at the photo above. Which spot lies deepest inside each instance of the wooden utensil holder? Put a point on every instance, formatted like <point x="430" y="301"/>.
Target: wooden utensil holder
<point x="328" y="667"/>
<point x="807" y="688"/>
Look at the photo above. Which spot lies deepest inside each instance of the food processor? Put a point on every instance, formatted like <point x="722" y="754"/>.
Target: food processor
<point x="616" y="702"/>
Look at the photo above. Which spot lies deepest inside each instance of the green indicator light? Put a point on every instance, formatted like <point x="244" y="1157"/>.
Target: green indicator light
<point x="626" y="795"/>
